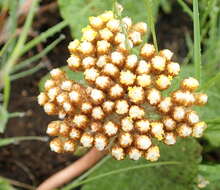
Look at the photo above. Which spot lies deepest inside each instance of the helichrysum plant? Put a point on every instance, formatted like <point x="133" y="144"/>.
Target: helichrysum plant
<point x="112" y="112"/>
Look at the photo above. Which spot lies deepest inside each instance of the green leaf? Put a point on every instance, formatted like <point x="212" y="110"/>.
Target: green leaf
<point x="5" y="185"/>
<point x="77" y="76"/>
<point x="175" y="177"/>
<point x="7" y="141"/>
<point x="3" y="118"/>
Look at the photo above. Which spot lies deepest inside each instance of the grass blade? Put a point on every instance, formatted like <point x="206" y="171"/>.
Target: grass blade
<point x="185" y="8"/>
<point x="197" y="44"/>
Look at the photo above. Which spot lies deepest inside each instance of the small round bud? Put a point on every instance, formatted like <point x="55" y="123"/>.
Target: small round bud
<point x="50" y="108"/>
<point x="157" y="130"/>
<point x="170" y="138"/>
<point x="91" y="74"/>
<point x="64" y="129"/>
<point x="73" y="46"/>
<point x="80" y="121"/>
<point x="117" y="58"/>
<point x="127" y="78"/>
<point x="147" y="51"/>
<point x="66" y="85"/>
<point x="96" y="126"/>
<point x="131" y="62"/>
<point x="88" y="62"/>
<point x="125" y="139"/>
<point x="53" y="128"/>
<point x="142" y="142"/>
<point x="169" y="123"/>
<point x="116" y="91"/>
<point x="106" y="16"/>
<point x="198" y="129"/>
<point x="184" y="130"/>
<point x="53" y="93"/>
<point x="69" y="146"/>
<point x="57" y="74"/>
<point x="61" y="98"/>
<point x="134" y="153"/>
<point x="152" y="154"/>
<point x="140" y="27"/>
<point x="127" y="21"/>
<point x="135" y="37"/>
<point x="103" y="82"/>
<point x="106" y="34"/>
<point x="67" y="106"/>
<point x="89" y="34"/>
<point x="142" y="126"/>
<point x="113" y="25"/>
<point x="144" y="80"/>
<point x="96" y="22"/>
<point x="56" y="145"/>
<point x="42" y="98"/>
<point x="97" y="113"/>
<point x="118" y="152"/>
<point x="190" y="84"/>
<point x="192" y="117"/>
<point x="143" y="67"/>
<point x="136" y="94"/>
<point x="153" y="96"/>
<point x="125" y="46"/>
<point x="158" y="64"/>
<point x="87" y="140"/>
<point x="74" y="62"/>
<point x="110" y="70"/>
<point x="173" y="68"/>
<point x="102" y="61"/>
<point x="201" y="99"/>
<point x="100" y="142"/>
<point x="86" y="48"/>
<point x="75" y="96"/>
<point x="86" y="107"/>
<point x="97" y="96"/>
<point x="75" y="134"/>
<point x="119" y="38"/>
<point x="163" y="82"/>
<point x="127" y="124"/>
<point x="136" y="112"/>
<point x="49" y="84"/>
<point x="121" y="107"/>
<point x="110" y="128"/>
<point x="108" y="106"/>
<point x="178" y="113"/>
<point x="167" y="54"/>
<point x="165" y="105"/>
<point x="103" y="47"/>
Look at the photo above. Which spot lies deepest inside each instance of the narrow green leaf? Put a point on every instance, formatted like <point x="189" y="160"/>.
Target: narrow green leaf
<point x="3" y="118"/>
<point x="185" y="8"/>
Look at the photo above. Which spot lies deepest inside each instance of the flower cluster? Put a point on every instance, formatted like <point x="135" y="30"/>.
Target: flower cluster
<point x="111" y="112"/>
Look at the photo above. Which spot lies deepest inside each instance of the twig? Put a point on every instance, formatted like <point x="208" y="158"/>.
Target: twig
<point x="72" y="171"/>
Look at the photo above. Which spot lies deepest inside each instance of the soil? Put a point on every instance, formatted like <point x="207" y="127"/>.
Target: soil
<point x="32" y="162"/>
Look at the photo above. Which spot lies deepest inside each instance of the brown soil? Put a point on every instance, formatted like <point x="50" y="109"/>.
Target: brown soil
<point x="32" y="161"/>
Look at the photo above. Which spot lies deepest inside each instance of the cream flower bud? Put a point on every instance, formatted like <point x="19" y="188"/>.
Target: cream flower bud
<point x="86" y="48"/>
<point x="144" y="80"/>
<point x="165" y="105"/>
<point x="201" y="99"/>
<point x="136" y="94"/>
<point x="192" y="117"/>
<point x="135" y="37"/>
<point x="87" y="140"/>
<point x="127" y="78"/>
<point x="97" y="113"/>
<point x="69" y="146"/>
<point x="184" y="130"/>
<point x="86" y="107"/>
<point x="74" y="96"/>
<point x="53" y="128"/>
<point x="49" y="84"/>
<point x="89" y="34"/>
<point x="140" y="27"/>
<point x="190" y="84"/>
<point x="117" y="58"/>
<point x="106" y="34"/>
<point x="57" y="74"/>
<point x="173" y="68"/>
<point x="67" y="106"/>
<point x="88" y="62"/>
<point x="80" y="121"/>
<point x="131" y="62"/>
<point x="127" y="21"/>
<point x="178" y="113"/>
<point x="97" y="96"/>
<point x="75" y="133"/>
<point x="142" y="142"/>
<point x="121" y="107"/>
<point x="147" y="51"/>
<point x="106" y="16"/>
<point x="103" y="82"/>
<point x="158" y="64"/>
<point x="125" y="46"/>
<point x="169" y="123"/>
<point x="56" y="145"/>
<point x="170" y="138"/>
<point x="153" y="96"/>
<point x="61" y="98"/>
<point x="103" y="47"/>
<point x="42" y="98"/>
<point x="66" y="85"/>
<point x="73" y="46"/>
<point x="119" y="38"/>
<point x="167" y="54"/>
<point x="113" y="25"/>
<point x="125" y="139"/>
<point x="116" y="91"/>
<point x="64" y="129"/>
<point x="110" y="70"/>
<point x="53" y="93"/>
<point x="152" y="154"/>
<point x="91" y="74"/>
<point x="108" y="106"/>
<point x="136" y="112"/>
<point x="134" y="153"/>
<point x="198" y="129"/>
<point x="157" y="130"/>
<point x="102" y="61"/>
<point x="127" y="124"/>
<point x="118" y="152"/>
<point x="96" y="126"/>
<point x="100" y="142"/>
<point x="110" y="128"/>
<point x="163" y="82"/>
<point x="143" y="67"/>
<point x="96" y="22"/>
<point x="142" y="126"/>
<point x="50" y="108"/>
